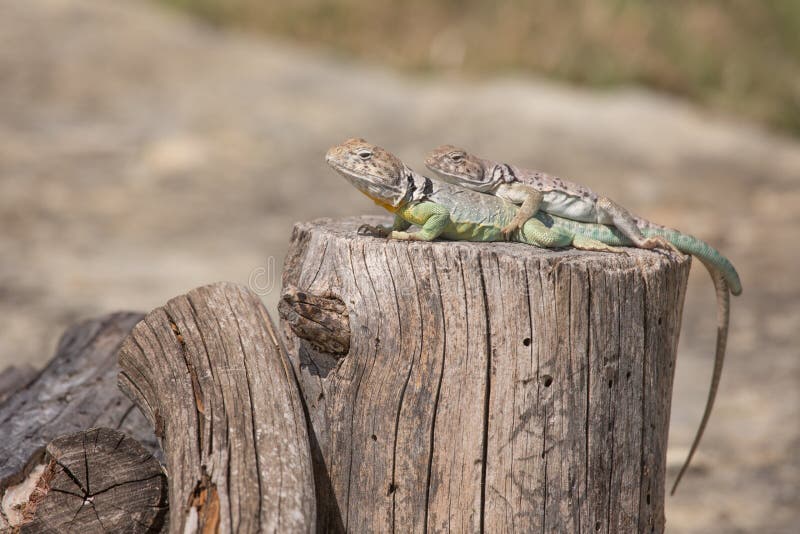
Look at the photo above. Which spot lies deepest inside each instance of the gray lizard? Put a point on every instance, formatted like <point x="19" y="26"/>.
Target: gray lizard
<point x="536" y="191"/>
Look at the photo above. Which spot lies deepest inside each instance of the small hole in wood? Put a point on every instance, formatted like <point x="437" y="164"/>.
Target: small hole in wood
<point x="542" y="454"/>
<point x="648" y="498"/>
<point x="597" y="526"/>
<point x="659" y="321"/>
<point x="628" y="375"/>
<point x="610" y="383"/>
<point x="392" y="489"/>
<point x="374" y="437"/>
<point x="526" y="342"/>
<point x="547" y="380"/>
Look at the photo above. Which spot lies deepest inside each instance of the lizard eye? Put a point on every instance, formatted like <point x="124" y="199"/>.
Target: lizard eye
<point x="456" y="156"/>
<point x="364" y="154"/>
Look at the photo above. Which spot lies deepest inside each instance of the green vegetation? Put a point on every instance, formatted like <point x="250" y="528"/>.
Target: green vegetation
<point x="741" y="56"/>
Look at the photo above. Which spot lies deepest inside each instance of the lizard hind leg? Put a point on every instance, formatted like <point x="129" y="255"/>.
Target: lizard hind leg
<point x="658" y="242"/>
<point x="613" y="213"/>
<point x="534" y="232"/>
<point x="586" y="243"/>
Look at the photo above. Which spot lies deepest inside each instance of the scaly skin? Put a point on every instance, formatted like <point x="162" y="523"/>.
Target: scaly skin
<point x="534" y="191"/>
<point x="452" y="212"/>
<point x="440" y="209"/>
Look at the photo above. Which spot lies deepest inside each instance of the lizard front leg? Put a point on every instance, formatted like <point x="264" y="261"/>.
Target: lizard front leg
<point x="530" y="198"/>
<point x="432" y="217"/>
<point x="399" y="224"/>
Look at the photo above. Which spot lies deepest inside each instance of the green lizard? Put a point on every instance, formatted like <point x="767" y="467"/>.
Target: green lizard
<point x="445" y="210"/>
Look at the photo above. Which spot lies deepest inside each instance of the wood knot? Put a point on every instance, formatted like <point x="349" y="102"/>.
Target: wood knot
<point x="322" y="320"/>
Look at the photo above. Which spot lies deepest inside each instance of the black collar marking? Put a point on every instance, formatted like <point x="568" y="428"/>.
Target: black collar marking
<point x="412" y="193"/>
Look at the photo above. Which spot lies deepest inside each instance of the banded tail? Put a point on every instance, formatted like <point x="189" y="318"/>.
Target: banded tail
<point x="725" y="278"/>
<point x="710" y="257"/>
<point x="723" y="317"/>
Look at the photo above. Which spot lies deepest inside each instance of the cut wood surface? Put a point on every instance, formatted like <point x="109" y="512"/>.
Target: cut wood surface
<point x="488" y="386"/>
<point x="76" y="391"/>
<point x="210" y="374"/>
<point x="98" y="480"/>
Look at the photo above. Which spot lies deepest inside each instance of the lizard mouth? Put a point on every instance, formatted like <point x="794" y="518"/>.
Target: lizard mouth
<point x="379" y="191"/>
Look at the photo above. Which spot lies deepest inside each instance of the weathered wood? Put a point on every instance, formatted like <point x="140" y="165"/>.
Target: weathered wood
<point x="99" y="480"/>
<point x="15" y="378"/>
<point x="210" y="374"/>
<point x="488" y="387"/>
<point x="77" y="390"/>
<point x="320" y="319"/>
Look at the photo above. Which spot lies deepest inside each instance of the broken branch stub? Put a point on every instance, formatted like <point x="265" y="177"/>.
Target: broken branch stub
<point x="321" y="320"/>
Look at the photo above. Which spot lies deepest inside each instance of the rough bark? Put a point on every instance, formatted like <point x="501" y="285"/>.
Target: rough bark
<point x="99" y="480"/>
<point x="209" y="373"/>
<point x="488" y="387"/>
<point x="77" y="390"/>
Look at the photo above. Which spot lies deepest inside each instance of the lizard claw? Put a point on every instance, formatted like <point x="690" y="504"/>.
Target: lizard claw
<point x="373" y="231"/>
<point x="509" y="229"/>
<point x="660" y="242"/>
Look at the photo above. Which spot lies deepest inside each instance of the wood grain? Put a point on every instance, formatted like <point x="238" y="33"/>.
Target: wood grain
<point x="489" y="387"/>
<point x="15" y="378"/>
<point x="77" y="390"/>
<point x="99" y="480"/>
<point x="209" y="373"/>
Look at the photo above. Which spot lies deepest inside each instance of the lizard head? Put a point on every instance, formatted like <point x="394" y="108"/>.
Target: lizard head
<point x="457" y="166"/>
<point x="373" y="170"/>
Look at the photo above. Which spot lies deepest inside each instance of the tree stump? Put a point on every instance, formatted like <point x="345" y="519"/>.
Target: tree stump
<point x="488" y="386"/>
<point x="209" y="373"/>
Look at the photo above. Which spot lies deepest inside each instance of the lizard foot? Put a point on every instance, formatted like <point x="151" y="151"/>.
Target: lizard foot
<point x="404" y="236"/>
<point x="410" y="236"/>
<point x="659" y="242"/>
<point x="374" y="231"/>
<point x="510" y="229"/>
<point x="585" y="243"/>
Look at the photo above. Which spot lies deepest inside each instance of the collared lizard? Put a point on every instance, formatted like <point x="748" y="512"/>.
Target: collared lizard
<point x="445" y="210"/>
<point x="536" y="190"/>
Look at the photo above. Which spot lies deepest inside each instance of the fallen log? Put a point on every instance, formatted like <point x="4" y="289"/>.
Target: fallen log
<point x="75" y="391"/>
<point x="98" y="480"/>
<point x="487" y="386"/>
<point x="15" y="378"/>
<point x="210" y="374"/>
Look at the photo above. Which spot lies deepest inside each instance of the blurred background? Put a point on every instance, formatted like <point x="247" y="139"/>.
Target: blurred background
<point x="150" y="147"/>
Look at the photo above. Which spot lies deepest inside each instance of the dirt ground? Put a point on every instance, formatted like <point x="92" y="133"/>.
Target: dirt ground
<point x="143" y="154"/>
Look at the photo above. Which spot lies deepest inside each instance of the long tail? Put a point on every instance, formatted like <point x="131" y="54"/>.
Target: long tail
<point x="723" y="318"/>
<point x="710" y="257"/>
<point x="726" y="281"/>
<point x="683" y="242"/>
<point x="723" y="274"/>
